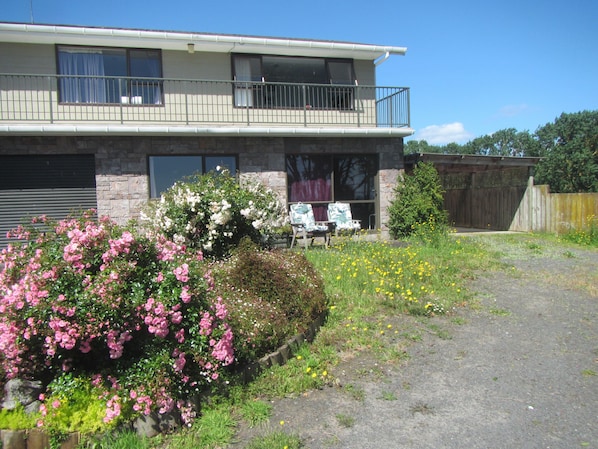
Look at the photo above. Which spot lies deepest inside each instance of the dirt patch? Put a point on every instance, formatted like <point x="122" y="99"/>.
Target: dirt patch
<point x="519" y="371"/>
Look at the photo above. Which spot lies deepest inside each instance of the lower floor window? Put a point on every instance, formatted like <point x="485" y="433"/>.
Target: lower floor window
<point x="164" y="171"/>
<point x="319" y="180"/>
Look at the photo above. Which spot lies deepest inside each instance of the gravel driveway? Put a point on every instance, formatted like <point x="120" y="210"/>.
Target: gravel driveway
<point x="519" y="371"/>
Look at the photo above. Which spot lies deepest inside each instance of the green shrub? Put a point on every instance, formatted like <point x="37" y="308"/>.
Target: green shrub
<point x="17" y="419"/>
<point x="270" y="294"/>
<point x="418" y="199"/>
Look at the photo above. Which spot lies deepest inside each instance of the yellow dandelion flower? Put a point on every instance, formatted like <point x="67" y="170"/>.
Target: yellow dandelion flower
<point x="282" y="423"/>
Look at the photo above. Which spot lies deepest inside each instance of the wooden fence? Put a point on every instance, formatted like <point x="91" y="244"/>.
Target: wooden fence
<point x="542" y="211"/>
<point x="528" y="208"/>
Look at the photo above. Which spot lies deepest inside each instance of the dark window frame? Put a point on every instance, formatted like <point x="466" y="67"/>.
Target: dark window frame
<point x="129" y="78"/>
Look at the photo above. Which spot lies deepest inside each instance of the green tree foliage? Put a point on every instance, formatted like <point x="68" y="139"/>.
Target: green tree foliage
<point x="569" y="147"/>
<point x="419" y="199"/>
<point x="505" y="142"/>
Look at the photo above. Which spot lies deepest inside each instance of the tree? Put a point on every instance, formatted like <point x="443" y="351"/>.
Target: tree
<point x="505" y="142"/>
<point x="569" y="148"/>
<point x="419" y="199"/>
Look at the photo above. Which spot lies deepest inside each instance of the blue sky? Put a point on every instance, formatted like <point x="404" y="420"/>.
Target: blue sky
<point x="474" y="67"/>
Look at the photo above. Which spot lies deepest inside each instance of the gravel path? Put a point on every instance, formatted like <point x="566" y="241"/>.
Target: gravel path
<point x="519" y="371"/>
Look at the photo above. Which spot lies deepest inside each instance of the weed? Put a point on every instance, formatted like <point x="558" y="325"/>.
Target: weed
<point x="356" y="393"/>
<point x="500" y="312"/>
<point x="443" y="334"/>
<point x="345" y="420"/>
<point x="275" y="440"/>
<point x="423" y="408"/>
<point x="459" y="320"/>
<point x="389" y="396"/>
<point x="589" y="373"/>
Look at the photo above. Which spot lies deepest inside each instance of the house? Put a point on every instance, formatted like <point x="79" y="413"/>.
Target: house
<point x="109" y="118"/>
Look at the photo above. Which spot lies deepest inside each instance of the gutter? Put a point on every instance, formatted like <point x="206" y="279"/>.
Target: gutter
<point x="124" y="130"/>
<point x="51" y="34"/>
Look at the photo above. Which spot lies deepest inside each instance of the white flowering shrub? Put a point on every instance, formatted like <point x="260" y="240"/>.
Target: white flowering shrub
<point x="213" y="212"/>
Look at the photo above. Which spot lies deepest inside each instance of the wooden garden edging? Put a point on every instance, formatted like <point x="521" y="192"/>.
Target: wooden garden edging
<point x="34" y="439"/>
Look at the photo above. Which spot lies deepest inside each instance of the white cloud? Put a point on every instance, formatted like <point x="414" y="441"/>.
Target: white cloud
<point x="443" y="134"/>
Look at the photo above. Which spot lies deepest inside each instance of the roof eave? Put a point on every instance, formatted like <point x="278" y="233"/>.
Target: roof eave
<point x="178" y="41"/>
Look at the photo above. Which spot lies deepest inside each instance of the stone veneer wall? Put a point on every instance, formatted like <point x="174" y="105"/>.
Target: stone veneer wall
<point x="122" y="164"/>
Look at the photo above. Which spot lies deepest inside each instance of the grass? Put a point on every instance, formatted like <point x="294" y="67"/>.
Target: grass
<point x="276" y="440"/>
<point x="372" y="287"/>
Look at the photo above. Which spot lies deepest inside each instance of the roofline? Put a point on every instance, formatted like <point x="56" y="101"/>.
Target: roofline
<point x="177" y="40"/>
<point x="127" y="130"/>
<point x="471" y="159"/>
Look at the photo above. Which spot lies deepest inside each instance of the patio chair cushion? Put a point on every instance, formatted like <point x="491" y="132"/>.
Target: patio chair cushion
<point x="303" y="214"/>
<point x="340" y="213"/>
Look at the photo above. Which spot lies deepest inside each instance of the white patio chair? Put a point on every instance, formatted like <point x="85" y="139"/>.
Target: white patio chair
<point x="340" y="214"/>
<point x="305" y="225"/>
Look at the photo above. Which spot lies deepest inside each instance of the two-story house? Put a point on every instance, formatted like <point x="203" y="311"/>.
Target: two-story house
<point x="109" y="118"/>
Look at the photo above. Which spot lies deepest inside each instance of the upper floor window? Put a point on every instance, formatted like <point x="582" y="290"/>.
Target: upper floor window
<point x="109" y="75"/>
<point x="293" y="82"/>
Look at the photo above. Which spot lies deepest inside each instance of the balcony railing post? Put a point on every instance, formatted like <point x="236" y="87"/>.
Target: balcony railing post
<point x="390" y="111"/>
<point x="50" y="101"/>
<point x="187" y="104"/>
<point x="357" y="105"/>
<point x="304" y="106"/>
<point x="247" y="101"/>
<point x="120" y="95"/>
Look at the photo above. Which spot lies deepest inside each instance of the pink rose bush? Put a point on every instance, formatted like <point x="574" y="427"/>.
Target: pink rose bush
<point x="133" y="314"/>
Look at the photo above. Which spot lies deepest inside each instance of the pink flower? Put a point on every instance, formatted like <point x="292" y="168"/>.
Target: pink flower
<point x="223" y="349"/>
<point x="205" y="324"/>
<point x="182" y="273"/>
<point x="185" y="295"/>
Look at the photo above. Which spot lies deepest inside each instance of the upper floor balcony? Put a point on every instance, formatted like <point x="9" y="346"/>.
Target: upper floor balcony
<point x="59" y="99"/>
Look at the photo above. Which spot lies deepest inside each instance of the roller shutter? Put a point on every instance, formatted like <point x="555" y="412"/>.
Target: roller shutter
<point x="55" y="185"/>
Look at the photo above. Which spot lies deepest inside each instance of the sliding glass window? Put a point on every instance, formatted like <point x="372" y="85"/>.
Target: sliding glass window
<point x="288" y="82"/>
<point x="109" y="75"/>
<point x="320" y="180"/>
<point x="164" y="171"/>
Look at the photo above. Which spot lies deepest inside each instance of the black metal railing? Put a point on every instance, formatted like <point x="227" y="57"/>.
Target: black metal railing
<point x="73" y="99"/>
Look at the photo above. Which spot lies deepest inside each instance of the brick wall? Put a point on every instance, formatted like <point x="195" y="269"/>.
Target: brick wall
<point x="122" y="167"/>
